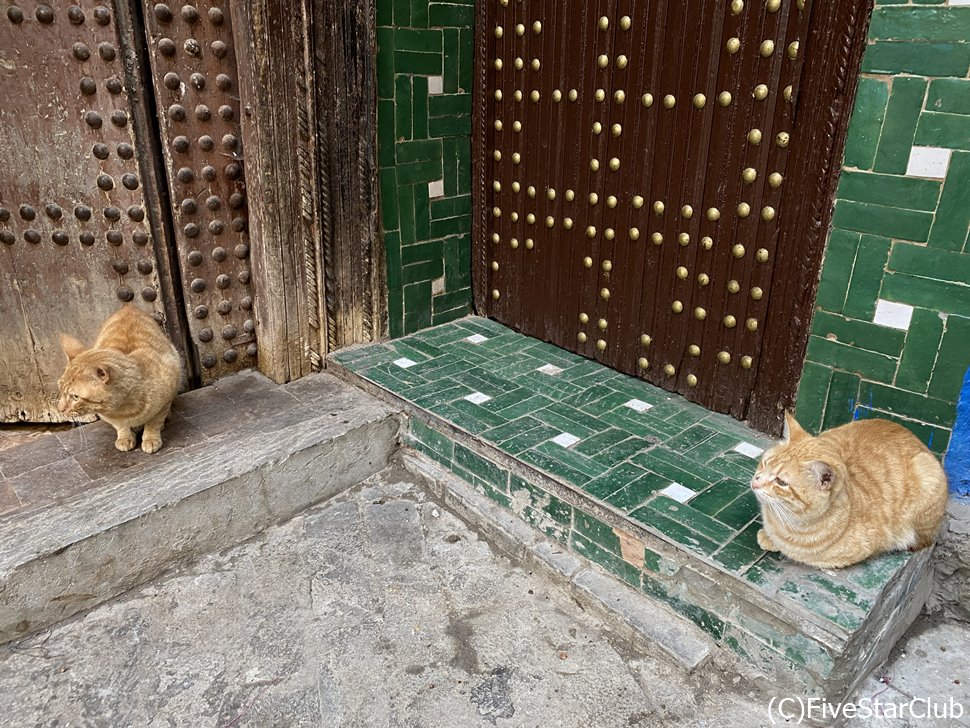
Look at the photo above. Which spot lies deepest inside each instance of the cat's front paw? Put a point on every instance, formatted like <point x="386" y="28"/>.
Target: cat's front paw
<point x="126" y="442"/>
<point x="765" y="542"/>
<point x="151" y="444"/>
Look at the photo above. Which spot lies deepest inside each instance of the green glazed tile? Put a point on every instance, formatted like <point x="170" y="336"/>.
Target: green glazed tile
<point x="571" y="459"/>
<point x="694" y="520"/>
<point x="888" y="222"/>
<point x="468" y="416"/>
<point x="860" y="334"/>
<point x="949" y="230"/>
<point x="919" y="354"/>
<point x="529" y="439"/>
<point x="689" y="438"/>
<point x="949" y="95"/>
<point x="608" y="560"/>
<point x="902" y="114"/>
<point x="926" y="59"/>
<point x="554" y="466"/>
<point x="867" y="120"/>
<point x="484" y="469"/>
<point x="840" y="356"/>
<point x="926" y="293"/>
<point x="911" y="193"/>
<point x="837" y="270"/>
<point x="717" y="496"/>
<point x="951" y="363"/>
<point x="595" y="531"/>
<point x="909" y="23"/>
<point x="632" y="496"/>
<point x="676" y="531"/>
<point x="614" y="479"/>
<point x="741" y="511"/>
<point x="511" y="429"/>
<point x="526" y="406"/>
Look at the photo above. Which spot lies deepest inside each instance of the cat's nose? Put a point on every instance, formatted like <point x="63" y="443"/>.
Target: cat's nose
<point x="756" y="482"/>
<point x="62" y="405"/>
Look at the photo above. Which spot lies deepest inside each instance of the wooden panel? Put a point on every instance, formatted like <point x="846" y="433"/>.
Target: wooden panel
<point x="196" y="87"/>
<point x="643" y="169"/>
<point x="80" y="224"/>
<point x="310" y="134"/>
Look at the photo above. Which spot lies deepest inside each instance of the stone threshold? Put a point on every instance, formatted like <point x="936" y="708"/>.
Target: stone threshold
<point x="241" y="455"/>
<point x="646" y="485"/>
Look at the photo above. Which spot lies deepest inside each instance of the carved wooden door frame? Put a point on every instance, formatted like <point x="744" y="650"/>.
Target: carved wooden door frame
<point x="828" y="92"/>
<point x="308" y="94"/>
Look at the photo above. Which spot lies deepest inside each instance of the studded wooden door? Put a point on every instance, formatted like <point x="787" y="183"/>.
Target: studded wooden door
<point x="193" y="65"/>
<point x="80" y="223"/>
<point x="654" y="178"/>
<point x="103" y="202"/>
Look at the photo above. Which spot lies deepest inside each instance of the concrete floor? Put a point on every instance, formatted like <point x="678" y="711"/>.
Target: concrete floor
<point x="380" y="608"/>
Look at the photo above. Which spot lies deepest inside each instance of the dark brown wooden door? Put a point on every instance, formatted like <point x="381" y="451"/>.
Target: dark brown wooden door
<point x="121" y="179"/>
<point x="654" y="181"/>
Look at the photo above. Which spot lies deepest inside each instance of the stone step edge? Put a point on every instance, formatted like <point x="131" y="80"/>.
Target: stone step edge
<point x="643" y="622"/>
<point x="45" y="586"/>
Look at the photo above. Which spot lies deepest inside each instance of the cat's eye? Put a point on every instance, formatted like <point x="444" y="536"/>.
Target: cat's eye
<point x="782" y="483"/>
<point x="75" y="397"/>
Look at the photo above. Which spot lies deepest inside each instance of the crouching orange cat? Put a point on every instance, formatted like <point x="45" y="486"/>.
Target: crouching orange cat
<point x="852" y="492"/>
<point x="128" y="378"/>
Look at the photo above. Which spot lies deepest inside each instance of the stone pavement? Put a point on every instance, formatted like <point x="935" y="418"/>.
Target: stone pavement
<point x="378" y="608"/>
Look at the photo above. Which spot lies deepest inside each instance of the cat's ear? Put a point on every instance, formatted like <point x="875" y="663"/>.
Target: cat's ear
<point x="71" y="346"/>
<point x="824" y="474"/>
<point x="793" y="431"/>
<point x="103" y="372"/>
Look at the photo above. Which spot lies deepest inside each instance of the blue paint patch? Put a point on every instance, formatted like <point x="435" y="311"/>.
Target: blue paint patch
<point x="957" y="459"/>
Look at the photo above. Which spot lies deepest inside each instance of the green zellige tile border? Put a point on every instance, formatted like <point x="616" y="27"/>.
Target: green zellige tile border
<point x="889" y="337"/>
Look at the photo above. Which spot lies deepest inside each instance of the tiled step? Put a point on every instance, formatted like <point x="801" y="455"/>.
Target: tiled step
<point x="647" y="485"/>
<point x="641" y="622"/>
<point x="91" y="522"/>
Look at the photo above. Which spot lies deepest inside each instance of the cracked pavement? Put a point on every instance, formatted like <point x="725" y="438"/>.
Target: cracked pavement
<point x="377" y="608"/>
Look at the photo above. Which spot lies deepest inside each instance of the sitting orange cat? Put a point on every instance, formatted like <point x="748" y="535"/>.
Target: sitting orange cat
<point x="852" y="492"/>
<point x="129" y="378"/>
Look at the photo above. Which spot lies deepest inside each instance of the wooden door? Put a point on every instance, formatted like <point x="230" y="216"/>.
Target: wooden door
<point x="655" y="180"/>
<point x="121" y="179"/>
<point x="81" y="229"/>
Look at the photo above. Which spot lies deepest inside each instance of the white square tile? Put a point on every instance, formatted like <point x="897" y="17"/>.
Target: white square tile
<point x="638" y="405"/>
<point x="928" y="162"/>
<point x="477" y="397"/>
<point x="550" y="369"/>
<point x="436" y="85"/>
<point x="438" y="286"/>
<point x="404" y="362"/>
<point x="436" y="188"/>
<point x="893" y="315"/>
<point x="476" y="338"/>
<point x="955" y="3"/>
<point x="678" y="492"/>
<point x="746" y="448"/>
<point x="565" y="439"/>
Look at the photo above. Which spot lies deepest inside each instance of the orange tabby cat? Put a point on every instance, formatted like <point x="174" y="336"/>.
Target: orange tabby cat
<point x="854" y="491"/>
<point x="129" y="378"/>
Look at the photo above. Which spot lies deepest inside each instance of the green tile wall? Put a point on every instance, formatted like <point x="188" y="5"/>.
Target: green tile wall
<point x="899" y="234"/>
<point x="424" y="70"/>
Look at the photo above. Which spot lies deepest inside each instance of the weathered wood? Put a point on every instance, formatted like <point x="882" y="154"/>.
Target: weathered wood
<point x="80" y="227"/>
<point x="810" y="195"/>
<point x="309" y="129"/>
<point x="344" y="53"/>
<point x="277" y="113"/>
